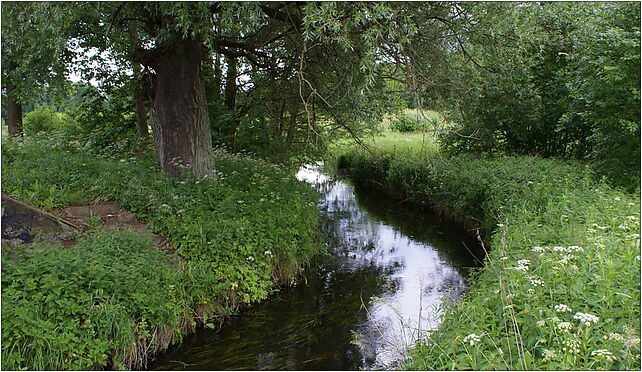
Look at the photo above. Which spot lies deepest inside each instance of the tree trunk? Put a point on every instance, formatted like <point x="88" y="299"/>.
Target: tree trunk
<point x="14" y="114"/>
<point x="141" y="116"/>
<point x="141" y="109"/>
<point x="230" y="93"/>
<point x="180" y="119"/>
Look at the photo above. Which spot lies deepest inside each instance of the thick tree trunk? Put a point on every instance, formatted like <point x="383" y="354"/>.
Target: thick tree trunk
<point x="141" y="108"/>
<point x="230" y="93"/>
<point x="180" y="119"/>
<point x="14" y="114"/>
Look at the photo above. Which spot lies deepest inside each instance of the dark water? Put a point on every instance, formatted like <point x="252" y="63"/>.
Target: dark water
<point x="390" y="268"/>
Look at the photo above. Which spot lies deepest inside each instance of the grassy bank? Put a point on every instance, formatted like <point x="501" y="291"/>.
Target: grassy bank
<point x="560" y="287"/>
<point x="112" y="300"/>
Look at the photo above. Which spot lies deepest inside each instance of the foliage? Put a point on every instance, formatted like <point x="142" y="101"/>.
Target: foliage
<point x="554" y="80"/>
<point x="557" y="238"/>
<point x="239" y="236"/>
<point x="84" y="306"/>
<point x="46" y="119"/>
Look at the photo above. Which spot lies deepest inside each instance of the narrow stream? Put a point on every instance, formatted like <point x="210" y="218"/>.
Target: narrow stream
<point x="390" y="268"/>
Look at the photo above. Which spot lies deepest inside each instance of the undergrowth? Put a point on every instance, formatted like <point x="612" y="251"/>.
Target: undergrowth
<point x="560" y="287"/>
<point x="238" y="237"/>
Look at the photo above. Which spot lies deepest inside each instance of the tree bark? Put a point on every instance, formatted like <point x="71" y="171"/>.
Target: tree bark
<point x="14" y="114"/>
<point x="180" y="120"/>
<point x="141" y="116"/>
<point x="141" y="108"/>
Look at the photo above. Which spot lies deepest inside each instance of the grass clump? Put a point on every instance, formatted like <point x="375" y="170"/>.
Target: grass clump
<point x="560" y="287"/>
<point x="238" y="237"/>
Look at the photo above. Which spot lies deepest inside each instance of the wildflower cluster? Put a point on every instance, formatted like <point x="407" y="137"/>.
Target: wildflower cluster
<point x="472" y="339"/>
<point x="522" y="265"/>
<point x="561" y="308"/>
<point x="603" y="354"/>
<point x="586" y="319"/>
<point x="565" y="326"/>
<point x="572" y="346"/>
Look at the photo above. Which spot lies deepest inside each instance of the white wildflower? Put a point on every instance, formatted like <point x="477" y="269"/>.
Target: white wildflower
<point x="586" y="319"/>
<point x="572" y="346"/>
<point x="537" y="249"/>
<point x="604" y="354"/>
<point x="250" y="258"/>
<point x="557" y="248"/>
<point x="623" y="227"/>
<point x="472" y="339"/>
<point x="541" y="323"/>
<point x="537" y="282"/>
<point x="561" y="308"/>
<point x="616" y="198"/>
<point x="575" y="248"/>
<point x="633" y="236"/>
<point x="567" y="257"/>
<point x="565" y="326"/>
<point x="591" y="231"/>
<point x="530" y="291"/>
<point x="269" y="253"/>
<point x="615" y="337"/>
<point x="549" y="355"/>
<point x="524" y="262"/>
<point x="631" y="217"/>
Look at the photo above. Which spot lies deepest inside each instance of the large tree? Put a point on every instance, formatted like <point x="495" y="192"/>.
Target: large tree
<point x="321" y="66"/>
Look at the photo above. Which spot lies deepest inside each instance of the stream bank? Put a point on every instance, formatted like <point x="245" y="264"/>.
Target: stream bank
<point x="389" y="270"/>
<point x="560" y="288"/>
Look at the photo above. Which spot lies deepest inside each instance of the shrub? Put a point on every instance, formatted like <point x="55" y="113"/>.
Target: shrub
<point x="46" y="119"/>
<point x="403" y="123"/>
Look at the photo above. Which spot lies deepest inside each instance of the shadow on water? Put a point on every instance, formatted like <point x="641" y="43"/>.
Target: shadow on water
<point x="391" y="266"/>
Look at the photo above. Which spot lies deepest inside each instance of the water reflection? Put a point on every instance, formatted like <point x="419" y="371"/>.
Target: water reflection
<point x="390" y="269"/>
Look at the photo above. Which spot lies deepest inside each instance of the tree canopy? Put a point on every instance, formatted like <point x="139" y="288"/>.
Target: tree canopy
<point x="551" y="79"/>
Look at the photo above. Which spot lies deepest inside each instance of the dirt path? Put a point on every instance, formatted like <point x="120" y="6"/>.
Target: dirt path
<point x="24" y="224"/>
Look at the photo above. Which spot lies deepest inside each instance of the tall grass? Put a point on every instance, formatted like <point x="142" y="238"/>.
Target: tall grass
<point x="560" y="287"/>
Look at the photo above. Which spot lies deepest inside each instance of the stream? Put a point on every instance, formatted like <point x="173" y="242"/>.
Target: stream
<point x="389" y="269"/>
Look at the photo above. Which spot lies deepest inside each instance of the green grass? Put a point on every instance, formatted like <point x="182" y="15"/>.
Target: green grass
<point x="238" y="238"/>
<point x="557" y="237"/>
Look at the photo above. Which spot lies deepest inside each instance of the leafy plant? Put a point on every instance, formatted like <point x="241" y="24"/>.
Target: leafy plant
<point x="239" y="237"/>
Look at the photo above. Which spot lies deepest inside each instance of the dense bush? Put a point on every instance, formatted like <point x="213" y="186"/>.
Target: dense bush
<point x="240" y="236"/>
<point x="560" y="287"/>
<point x="403" y="123"/>
<point x="46" y="119"/>
<point x="567" y="85"/>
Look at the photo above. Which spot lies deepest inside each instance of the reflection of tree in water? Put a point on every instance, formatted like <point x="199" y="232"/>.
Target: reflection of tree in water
<point x="349" y="311"/>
